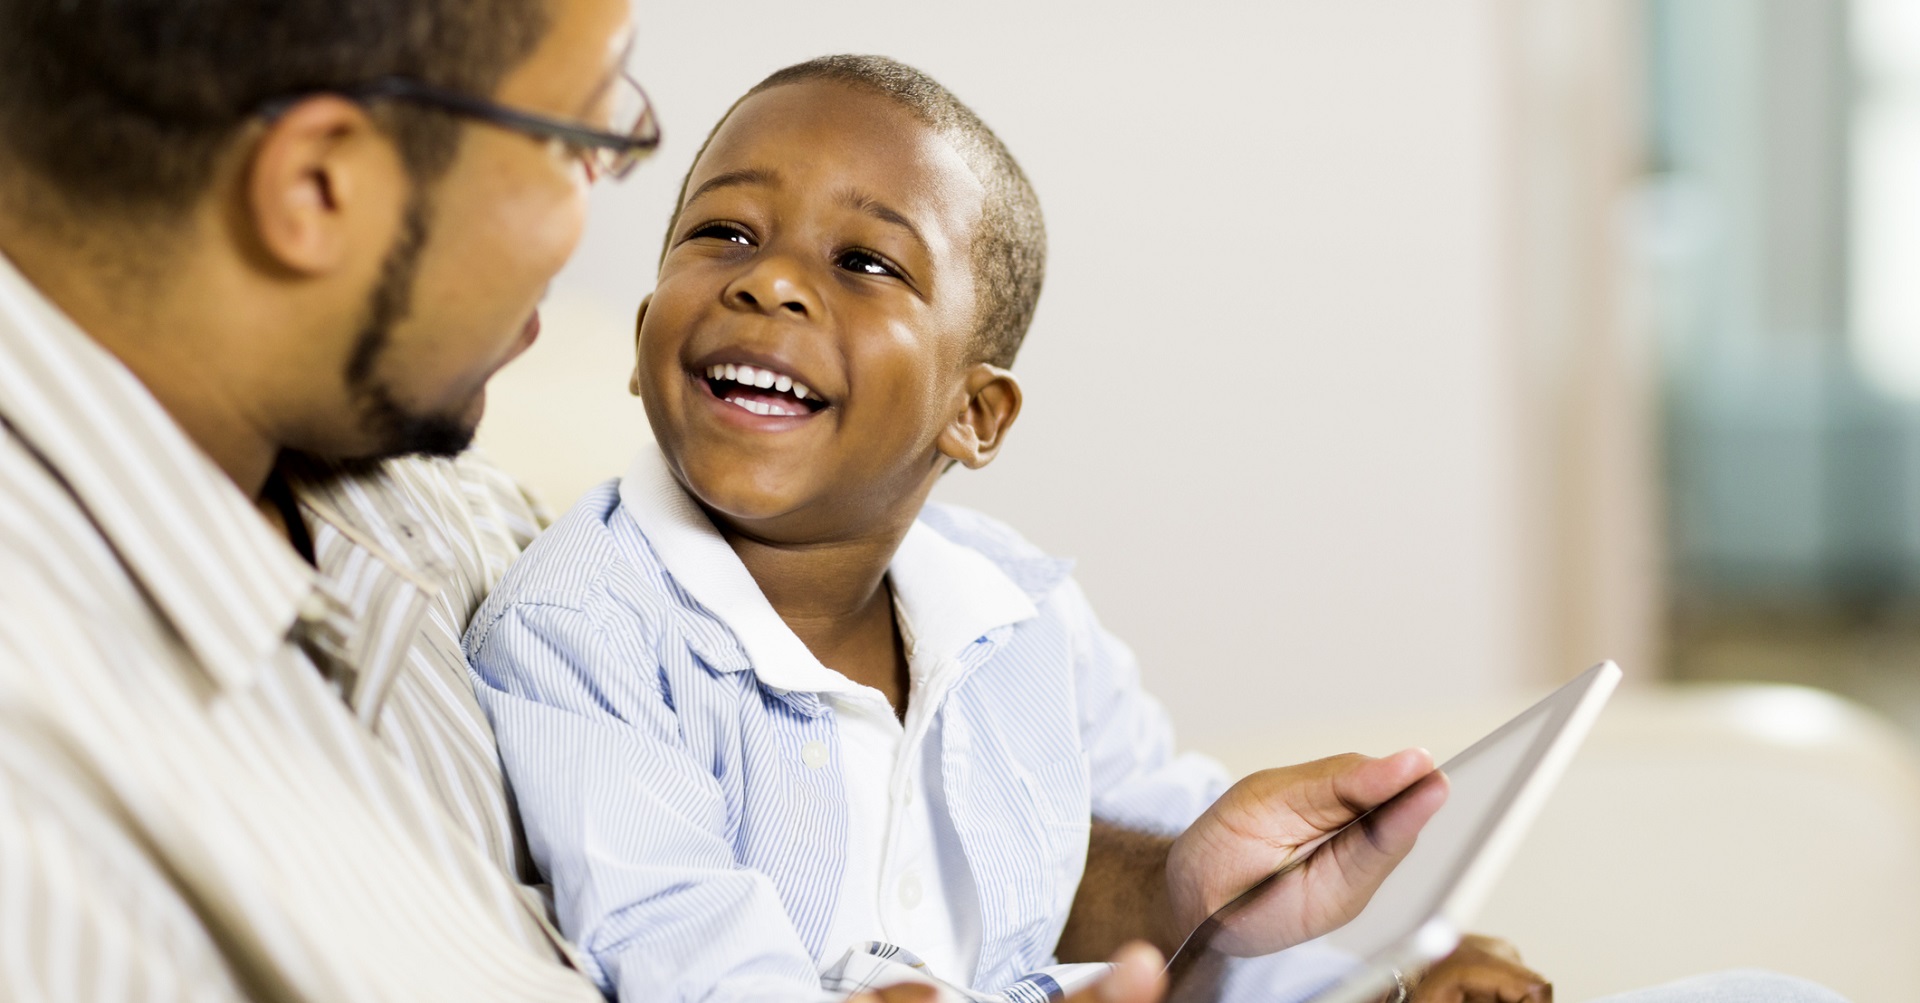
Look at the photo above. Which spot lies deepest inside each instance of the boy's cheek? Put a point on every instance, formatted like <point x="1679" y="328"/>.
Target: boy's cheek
<point x="657" y="360"/>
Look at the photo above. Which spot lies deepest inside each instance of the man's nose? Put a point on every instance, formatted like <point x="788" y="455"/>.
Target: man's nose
<point x="775" y="284"/>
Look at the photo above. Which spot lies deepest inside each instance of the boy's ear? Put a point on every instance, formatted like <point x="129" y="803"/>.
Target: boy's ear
<point x="633" y="381"/>
<point x="974" y="435"/>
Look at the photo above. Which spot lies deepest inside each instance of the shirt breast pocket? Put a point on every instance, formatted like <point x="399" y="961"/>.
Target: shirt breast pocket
<point x="1059" y="791"/>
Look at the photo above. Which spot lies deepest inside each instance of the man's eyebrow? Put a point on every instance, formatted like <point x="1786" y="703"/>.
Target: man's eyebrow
<point x="881" y="211"/>
<point x="730" y="179"/>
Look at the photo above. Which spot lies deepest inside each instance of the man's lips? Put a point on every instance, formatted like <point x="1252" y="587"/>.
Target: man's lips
<point x="529" y="333"/>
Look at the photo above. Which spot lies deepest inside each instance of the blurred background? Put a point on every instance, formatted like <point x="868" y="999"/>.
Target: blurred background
<point x="1400" y="359"/>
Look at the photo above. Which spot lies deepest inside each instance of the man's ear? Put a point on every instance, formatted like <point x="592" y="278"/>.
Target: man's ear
<point x="992" y="403"/>
<point x="321" y="174"/>
<point x="633" y="382"/>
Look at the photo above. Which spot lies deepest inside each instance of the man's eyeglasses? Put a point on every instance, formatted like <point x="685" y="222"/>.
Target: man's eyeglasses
<point x="633" y="134"/>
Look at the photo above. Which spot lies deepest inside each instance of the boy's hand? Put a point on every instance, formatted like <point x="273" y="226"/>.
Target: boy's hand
<point x="1280" y="818"/>
<point x="1482" y="970"/>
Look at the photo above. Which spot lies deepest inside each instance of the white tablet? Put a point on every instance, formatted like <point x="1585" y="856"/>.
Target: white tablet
<point x="1418" y="914"/>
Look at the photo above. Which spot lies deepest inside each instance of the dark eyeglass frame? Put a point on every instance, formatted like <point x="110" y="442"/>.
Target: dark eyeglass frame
<point x="620" y="153"/>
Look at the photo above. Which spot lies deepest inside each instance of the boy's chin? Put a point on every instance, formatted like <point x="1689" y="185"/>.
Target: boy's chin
<point x="740" y="495"/>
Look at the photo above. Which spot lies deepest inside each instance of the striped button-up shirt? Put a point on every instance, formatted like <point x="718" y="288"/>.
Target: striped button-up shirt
<point x="188" y="807"/>
<point x="678" y="753"/>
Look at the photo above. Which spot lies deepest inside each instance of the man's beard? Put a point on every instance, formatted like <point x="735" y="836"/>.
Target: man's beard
<point x="396" y="430"/>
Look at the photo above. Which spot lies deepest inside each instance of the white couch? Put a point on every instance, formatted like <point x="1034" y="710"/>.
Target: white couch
<point x="1702" y="827"/>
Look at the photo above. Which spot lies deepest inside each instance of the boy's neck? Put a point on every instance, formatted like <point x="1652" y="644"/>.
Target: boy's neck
<point x="835" y="598"/>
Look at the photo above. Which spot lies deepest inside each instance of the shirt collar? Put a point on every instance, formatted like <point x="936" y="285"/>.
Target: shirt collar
<point x="368" y="599"/>
<point x="194" y="543"/>
<point x="951" y="596"/>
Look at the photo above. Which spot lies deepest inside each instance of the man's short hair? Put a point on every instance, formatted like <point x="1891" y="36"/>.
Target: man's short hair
<point x="1010" y="250"/>
<point x="125" y="106"/>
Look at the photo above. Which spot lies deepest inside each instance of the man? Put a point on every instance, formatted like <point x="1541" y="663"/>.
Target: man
<point x="260" y="261"/>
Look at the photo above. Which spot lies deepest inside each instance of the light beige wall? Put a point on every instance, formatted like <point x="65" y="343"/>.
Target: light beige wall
<point x="1584" y="347"/>
<point x="1277" y="392"/>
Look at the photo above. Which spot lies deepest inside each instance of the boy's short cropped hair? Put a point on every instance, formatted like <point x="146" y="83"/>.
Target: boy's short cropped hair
<point x="1010" y="250"/>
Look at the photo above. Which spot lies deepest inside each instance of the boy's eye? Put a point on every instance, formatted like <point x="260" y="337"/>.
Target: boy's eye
<point x="866" y="263"/>
<point x="722" y="231"/>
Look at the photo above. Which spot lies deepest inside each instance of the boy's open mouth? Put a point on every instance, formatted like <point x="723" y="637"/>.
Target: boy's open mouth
<point x="762" y="391"/>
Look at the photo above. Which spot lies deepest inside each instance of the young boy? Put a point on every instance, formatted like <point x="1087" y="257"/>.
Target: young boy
<point x="759" y="700"/>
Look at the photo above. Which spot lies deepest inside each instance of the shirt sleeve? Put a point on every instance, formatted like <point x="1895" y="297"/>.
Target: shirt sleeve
<point x="1137" y="778"/>
<point x="626" y="824"/>
<point x="522" y="511"/>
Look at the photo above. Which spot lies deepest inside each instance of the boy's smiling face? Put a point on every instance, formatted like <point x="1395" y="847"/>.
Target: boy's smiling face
<point x="825" y="248"/>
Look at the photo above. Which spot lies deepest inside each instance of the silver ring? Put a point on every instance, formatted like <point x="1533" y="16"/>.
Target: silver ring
<point x="1400" y="987"/>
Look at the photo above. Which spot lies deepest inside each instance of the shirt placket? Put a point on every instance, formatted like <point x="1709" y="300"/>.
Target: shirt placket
<point x="903" y="881"/>
<point x="910" y="871"/>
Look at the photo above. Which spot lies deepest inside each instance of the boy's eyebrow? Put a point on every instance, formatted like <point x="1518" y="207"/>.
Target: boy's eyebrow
<point x="881" y="211"/>
<point x="731" y="179"/>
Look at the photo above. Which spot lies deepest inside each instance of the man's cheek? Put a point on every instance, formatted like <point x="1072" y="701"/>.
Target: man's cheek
<point x="541" y="231"/>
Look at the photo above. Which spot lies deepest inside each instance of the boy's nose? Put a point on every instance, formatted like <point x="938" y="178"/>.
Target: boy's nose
<point x="774" y="286"/>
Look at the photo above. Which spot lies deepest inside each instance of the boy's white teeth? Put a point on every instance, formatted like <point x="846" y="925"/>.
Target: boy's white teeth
<point x="765" y="407"/>
<point x="765" y="379"/>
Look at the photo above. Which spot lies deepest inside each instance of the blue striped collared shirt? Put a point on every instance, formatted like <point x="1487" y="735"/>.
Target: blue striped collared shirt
<point x="655" y="746"/>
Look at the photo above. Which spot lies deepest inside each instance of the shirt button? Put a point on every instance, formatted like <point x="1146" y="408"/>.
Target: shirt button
<point x="910" y="890"/>
<point x="814" y="754"/>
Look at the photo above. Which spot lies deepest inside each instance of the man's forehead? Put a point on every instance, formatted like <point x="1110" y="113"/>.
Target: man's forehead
<point x="586" y="40"/>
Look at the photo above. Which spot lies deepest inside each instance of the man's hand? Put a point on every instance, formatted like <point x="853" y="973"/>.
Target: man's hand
<point x="1482" y="970"/>
<point x="1287" y="818"/>
<point x="1137" y="978"/>
<point x="1143" y="887"/>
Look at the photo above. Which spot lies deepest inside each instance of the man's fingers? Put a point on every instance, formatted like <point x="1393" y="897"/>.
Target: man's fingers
<point x="1351" y="785"/>
<point x="1341" y="877"/>
<point x="1501" y="949"/>
<point x="1482" y="970"/>
<point x="1302" y="804"/>
<point x="1392" y="829"/>
<point x="905" y="992"/>
<point x="1484" y="984"/>
<point x="1371" y="782"/>
<point x="1364" y="855"/>
<point x="1284" y="819"/>
<point x="1138" y="976"/>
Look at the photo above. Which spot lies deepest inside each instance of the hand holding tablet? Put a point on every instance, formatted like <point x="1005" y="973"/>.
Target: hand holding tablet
<point x="1309" y="930"/>
<point x="1293" y="833"/>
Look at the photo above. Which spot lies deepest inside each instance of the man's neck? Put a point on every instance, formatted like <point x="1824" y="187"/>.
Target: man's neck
<point x="152" y="327"/>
